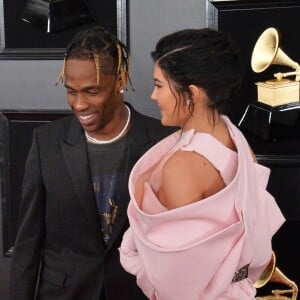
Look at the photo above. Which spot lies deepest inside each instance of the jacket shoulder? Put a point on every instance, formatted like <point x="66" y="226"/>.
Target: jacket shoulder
<point x="155" y="129"/>
<point x="58" y="125"/>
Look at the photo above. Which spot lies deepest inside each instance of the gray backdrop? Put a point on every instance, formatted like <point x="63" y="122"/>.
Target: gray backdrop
<point x="31" y="84"/>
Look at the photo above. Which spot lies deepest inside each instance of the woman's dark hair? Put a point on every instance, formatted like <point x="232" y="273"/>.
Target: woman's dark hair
<point x="203" y="57"/>
<point x="110" y="55"/>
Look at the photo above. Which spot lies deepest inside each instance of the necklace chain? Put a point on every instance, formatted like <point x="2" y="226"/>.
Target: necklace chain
<point x="96" y="141"/>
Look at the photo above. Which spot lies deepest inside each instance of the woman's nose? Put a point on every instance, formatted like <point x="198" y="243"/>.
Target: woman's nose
<point x="153" y="95"/>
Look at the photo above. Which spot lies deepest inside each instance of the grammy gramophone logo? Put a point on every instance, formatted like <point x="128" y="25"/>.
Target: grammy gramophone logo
<point x="279" y="90"/>
<point x="276" y="113"/>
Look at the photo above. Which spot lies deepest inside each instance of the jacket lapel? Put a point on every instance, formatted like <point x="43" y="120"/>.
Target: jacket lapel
<point x="75" y="153"/>
<point x="74" y="150"/>
<point x="138" y="143"/>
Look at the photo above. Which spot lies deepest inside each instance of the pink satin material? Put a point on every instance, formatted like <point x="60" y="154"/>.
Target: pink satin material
<point x="192" y="252"/>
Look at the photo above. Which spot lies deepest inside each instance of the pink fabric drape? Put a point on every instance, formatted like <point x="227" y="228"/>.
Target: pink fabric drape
<point x="192" y="252"/>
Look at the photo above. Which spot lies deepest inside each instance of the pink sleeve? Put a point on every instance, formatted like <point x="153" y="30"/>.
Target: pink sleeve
<point x="272" y="213"/>
<point x="132" y="263"/>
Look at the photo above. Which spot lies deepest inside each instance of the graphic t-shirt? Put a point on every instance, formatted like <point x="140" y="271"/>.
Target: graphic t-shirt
<point x="107" y="164"/>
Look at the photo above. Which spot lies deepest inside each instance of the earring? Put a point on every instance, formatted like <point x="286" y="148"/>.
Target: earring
<point x="121" y="91"/>
<point x="189" y="102"/>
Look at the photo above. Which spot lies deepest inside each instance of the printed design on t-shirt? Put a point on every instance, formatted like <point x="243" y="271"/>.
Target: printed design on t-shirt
<point x="107" y="191"/>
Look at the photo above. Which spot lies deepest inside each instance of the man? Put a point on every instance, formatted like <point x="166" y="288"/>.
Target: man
<point x="75" y="193"/>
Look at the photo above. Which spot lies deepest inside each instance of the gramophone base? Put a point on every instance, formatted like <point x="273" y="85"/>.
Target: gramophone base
<point x="275" y="92"/>
<point x="272" y="122"/>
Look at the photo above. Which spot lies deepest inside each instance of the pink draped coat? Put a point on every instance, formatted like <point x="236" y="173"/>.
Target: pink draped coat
<point x="192" y="252"/>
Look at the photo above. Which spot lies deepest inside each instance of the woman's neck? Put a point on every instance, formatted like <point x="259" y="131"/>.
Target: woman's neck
<point x="203" y="121"/>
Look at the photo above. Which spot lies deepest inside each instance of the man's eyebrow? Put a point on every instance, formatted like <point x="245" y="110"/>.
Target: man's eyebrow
<point x="84" y="88"/>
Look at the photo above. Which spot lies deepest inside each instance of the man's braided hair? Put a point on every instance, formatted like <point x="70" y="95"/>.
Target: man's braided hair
<point x="110" y="55"/>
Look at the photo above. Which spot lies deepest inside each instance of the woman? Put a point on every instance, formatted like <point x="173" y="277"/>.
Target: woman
<point x="201" y="220"/>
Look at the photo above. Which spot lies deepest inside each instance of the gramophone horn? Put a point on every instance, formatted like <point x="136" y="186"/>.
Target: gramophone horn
<point x="57" y="15"/>
<point x="273" y="274"/>
<point x="266" y="52"/>
<point x="267" y="273"/>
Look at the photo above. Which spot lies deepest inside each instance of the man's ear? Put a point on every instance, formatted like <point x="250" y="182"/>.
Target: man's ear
<point x="122" y="81"/>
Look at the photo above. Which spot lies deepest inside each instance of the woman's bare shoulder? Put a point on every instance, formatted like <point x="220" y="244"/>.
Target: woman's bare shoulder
<point x="186" y="178"/>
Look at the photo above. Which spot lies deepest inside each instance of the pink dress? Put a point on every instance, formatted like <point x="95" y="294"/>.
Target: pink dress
<point x="200" y="250"/>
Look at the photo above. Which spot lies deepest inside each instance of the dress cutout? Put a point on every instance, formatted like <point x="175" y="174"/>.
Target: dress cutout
<point x="220" y="156"/>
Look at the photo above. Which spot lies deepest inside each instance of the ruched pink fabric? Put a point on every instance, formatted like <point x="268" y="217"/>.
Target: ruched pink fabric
<point x="192" y="252"/>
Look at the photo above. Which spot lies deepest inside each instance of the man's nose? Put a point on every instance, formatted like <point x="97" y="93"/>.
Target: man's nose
<point x="80" y="103"/>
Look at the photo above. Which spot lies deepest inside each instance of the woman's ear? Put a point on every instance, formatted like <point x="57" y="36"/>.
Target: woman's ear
<point x="198" y="94"/>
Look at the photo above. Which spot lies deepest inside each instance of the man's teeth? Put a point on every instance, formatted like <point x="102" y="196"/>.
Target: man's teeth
<point x="86" y="117"/>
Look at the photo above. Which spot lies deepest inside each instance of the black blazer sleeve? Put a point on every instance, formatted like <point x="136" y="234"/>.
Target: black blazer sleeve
<point x="28" y="245"/>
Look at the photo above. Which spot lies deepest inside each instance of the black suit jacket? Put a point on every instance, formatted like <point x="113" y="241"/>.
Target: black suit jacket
<point x="59" y="234"/>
